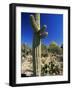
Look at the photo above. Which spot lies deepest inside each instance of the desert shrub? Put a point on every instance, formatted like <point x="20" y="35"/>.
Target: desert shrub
<point x="54" y="48"/>
<point x="62" y="46"/>
<point x="52" y="68"/>
<point x="44" y="70"/>
<point x="44" y="54"/>
<point x="44" y="50"/>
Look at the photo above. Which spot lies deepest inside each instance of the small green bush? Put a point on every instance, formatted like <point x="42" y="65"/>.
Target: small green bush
<point x="54" y="48"/>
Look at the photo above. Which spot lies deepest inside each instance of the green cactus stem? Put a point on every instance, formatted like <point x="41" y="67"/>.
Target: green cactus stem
<point x="38" y="34"/>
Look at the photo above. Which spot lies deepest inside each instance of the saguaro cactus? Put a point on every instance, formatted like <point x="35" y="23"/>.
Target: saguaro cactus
<point x="38" y="34"/>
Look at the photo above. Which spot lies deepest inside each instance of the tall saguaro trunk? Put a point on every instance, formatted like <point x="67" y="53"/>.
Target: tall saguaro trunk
<point x="38" y="35"/>
<point x="37" y="48"/>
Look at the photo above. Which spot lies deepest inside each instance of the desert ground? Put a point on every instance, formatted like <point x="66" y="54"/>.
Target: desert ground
<point x="51" y="64"/>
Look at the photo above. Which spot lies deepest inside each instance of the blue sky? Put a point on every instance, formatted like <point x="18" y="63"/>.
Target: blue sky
<point x="54" y="24"/>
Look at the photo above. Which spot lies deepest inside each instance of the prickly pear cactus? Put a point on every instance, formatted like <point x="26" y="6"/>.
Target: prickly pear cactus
<point x="38" y="34"/>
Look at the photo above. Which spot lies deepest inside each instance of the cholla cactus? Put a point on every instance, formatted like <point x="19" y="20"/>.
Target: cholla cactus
<point x="38" y="34"/>
<point x="52" y="68"/>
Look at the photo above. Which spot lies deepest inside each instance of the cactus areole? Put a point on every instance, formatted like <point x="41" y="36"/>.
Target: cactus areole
<point x="38" y="35"/>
